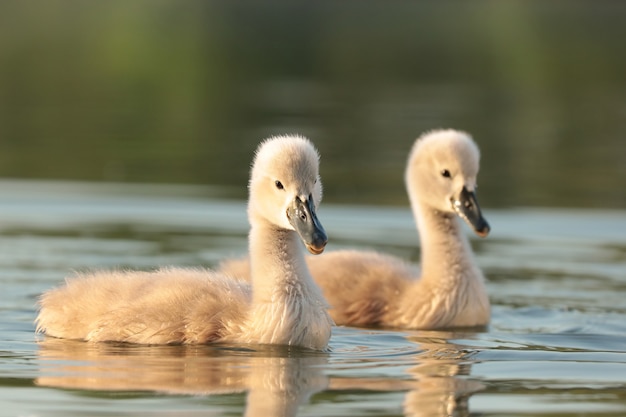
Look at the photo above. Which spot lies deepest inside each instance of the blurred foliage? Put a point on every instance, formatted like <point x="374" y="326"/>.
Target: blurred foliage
<point x="182" y="91"/>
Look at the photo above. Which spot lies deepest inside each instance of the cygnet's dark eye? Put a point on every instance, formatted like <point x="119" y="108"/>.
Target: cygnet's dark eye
<point x="445" y="173"/>
<point x="279" y="185"/>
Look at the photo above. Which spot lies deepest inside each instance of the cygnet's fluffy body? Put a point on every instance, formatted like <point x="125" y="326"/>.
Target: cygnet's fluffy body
<point x="367" y="288"/>
<point x="280" y="305"/>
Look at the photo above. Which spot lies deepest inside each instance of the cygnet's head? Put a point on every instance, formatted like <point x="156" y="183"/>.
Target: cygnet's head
<point x="441" y="173"/>
<point x="285" y="188"/>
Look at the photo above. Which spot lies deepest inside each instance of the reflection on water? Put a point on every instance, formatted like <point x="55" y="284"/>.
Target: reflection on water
<point x="276" y="380"/>
<point x="437" y="378"/>
<point x="443" y="377"/>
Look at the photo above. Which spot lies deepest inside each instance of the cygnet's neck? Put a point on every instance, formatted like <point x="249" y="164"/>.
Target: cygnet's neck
<point x="287" y="305"/>
<point x="451" y="290"/>
<point x="277" y="263"/>
<point x="445" y="250"/>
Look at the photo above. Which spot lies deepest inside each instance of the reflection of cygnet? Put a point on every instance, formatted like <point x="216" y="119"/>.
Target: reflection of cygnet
<point x="442" y="384"/>
<point x="367" y="288"/>
<point x="438" y="384"/>
<point x="276" y="385"/>
<point x="176" y="305"/>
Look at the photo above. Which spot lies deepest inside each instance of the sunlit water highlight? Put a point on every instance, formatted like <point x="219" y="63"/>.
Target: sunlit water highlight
<point x="556" y="344"/>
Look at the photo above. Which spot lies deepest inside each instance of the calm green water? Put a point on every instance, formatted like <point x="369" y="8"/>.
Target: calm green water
<point x="556" y="345"/>
<point x="182" y="91"/>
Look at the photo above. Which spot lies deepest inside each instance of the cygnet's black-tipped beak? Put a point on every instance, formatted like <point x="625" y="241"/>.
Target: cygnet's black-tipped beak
<point x="466" y="206"/>
<point x="302" y="217"/>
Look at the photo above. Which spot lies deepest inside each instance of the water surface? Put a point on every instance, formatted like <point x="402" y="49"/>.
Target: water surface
<point x="556" y="344"/>
<point x="181" y="92"/>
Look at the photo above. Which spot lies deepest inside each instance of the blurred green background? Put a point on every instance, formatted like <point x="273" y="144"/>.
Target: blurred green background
<point x="182" y="91"/>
